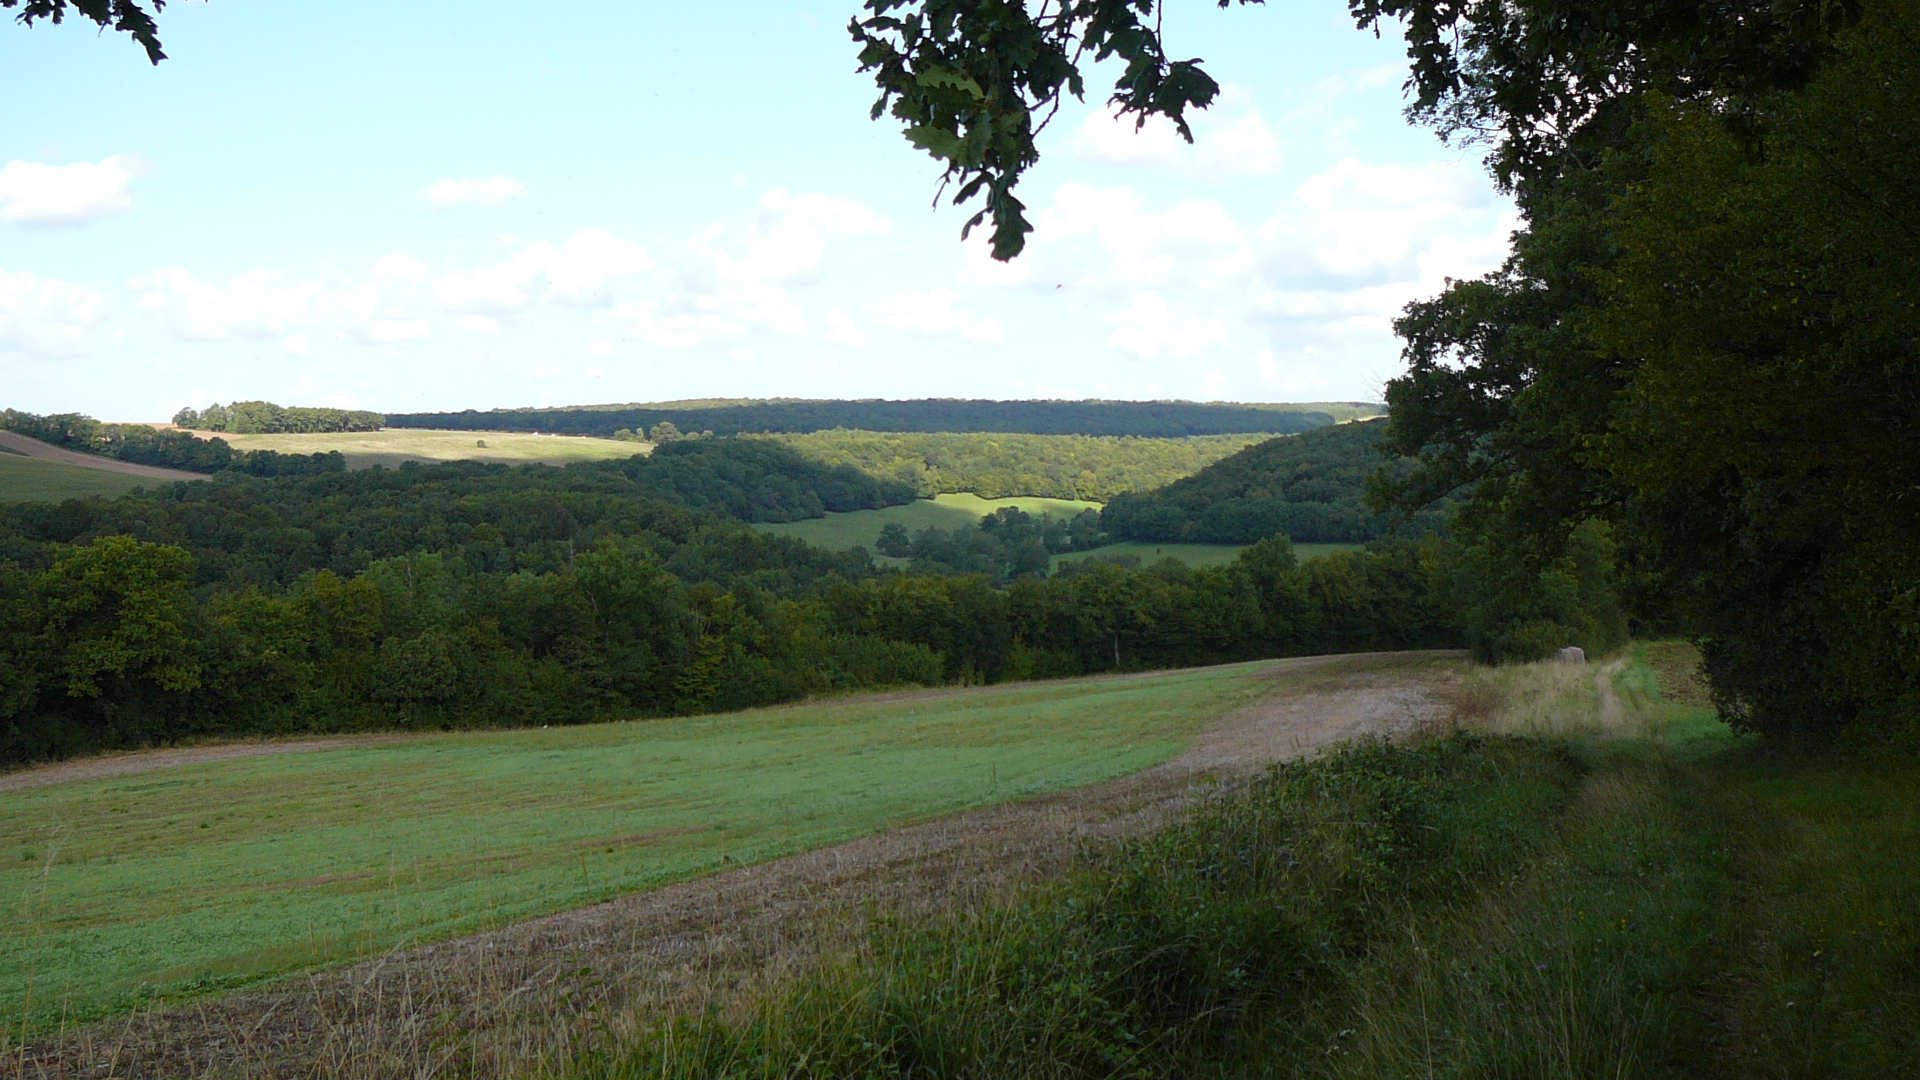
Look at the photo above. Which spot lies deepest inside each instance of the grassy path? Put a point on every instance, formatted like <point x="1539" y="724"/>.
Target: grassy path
<point x="216" y="874"/>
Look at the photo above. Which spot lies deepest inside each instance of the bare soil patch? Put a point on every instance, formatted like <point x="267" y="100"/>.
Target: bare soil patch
<point x="34" y="448"/>
<point x="540" y="993"/>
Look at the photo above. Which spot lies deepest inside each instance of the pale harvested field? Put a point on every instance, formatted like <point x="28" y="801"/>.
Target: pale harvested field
<point x="392" y="446"/>
<point x="526" y="997"/>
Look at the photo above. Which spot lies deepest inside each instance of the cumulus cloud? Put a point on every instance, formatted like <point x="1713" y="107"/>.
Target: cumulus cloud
<point x="35" y="194"/>
<point x="842" y="330"/>
<point x="1150" y="329"/>
<point x="260" y="304"/>
<point x="732" y="281"/>
<point x="936" y="313"/>
<point x="1358" y="224"/>
<point x="400" y="267"/>
<point x="1106" y="238"/>
<point x="1230" y="139"/>
<point x="473" y="191"/>
<point x="1296" y="301"/>
<point x="580" y="272"/>
<point x="45" y="318"/>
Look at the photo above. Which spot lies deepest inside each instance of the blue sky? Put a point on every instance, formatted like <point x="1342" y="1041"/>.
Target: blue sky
<point x="434" y="205"/>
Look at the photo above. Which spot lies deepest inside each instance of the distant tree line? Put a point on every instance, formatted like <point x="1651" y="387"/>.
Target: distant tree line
<point x="144" y="444"/>
<point x="481" y="595"/>
<point x="266" y="418"/>
<point x="1002" y="465"/>
<point x="1312" y="487"/>
<point x="1151" y="419"/>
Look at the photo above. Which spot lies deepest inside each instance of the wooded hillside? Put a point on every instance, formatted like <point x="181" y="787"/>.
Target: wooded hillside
<point x="999" y="466"/>
<point x="1312" y="487"/>
<point x="1156" y="419"/>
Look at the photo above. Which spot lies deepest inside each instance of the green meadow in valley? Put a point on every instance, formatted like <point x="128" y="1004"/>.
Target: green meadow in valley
<point x="861" y="528"/>
<point x="207" y="876"/>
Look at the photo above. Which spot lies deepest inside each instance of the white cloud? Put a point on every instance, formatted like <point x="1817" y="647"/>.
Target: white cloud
<point x="392" y="331"/>
<point x="842" y="330"/>
<point x="400" y="267"/>
<point x="1105" y="238"/>
<point x="1150" y="329"/>
<point x="1227" y="141"/>
<point x="472" y="191"/>
<point x="260" y="304"/>
<point x="43" y="317"/>
<point x="936" y="314"/>
<point x="581" y="272"/>
<point x="794" y="232"/>
<point x="1360" y="224"/>
<point x="729" y="282"/>
<point x="36" y="194"/>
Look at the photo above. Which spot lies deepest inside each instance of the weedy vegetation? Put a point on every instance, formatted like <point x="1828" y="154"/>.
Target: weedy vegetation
<point x="1573" y="877"/>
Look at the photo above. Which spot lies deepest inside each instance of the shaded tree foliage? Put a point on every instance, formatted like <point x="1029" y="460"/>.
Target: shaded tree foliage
<point x="1310" y="487"/>
<point x="1703" y="336"/>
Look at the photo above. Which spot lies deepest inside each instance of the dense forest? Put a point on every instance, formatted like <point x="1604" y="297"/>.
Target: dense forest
<point x="266" y="418"/>
<point x="144" y="444"/>
<point x="1150" y="419"/>
<point x="1311" y="487"/>
<point x="1705" y="335"/>
<point x="468" y="594"/>
<point x="752" y="480"/>
<point x="996" y="466"/>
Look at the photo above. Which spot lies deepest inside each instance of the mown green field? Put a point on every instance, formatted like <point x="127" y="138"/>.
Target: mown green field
<point x="203" y="877"/>
<point x="25" y="479"/>
<point x="1193" y="554"/>
<point x="391" y="446"/>
<point x="860" y="528"/>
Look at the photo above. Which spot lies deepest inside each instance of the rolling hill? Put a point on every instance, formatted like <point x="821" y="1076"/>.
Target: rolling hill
<point x="1158" y="419"/>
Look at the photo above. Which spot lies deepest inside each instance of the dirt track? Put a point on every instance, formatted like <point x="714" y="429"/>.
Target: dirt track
<point x="34" y="448"/>
<point x="508" y="1001"/>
